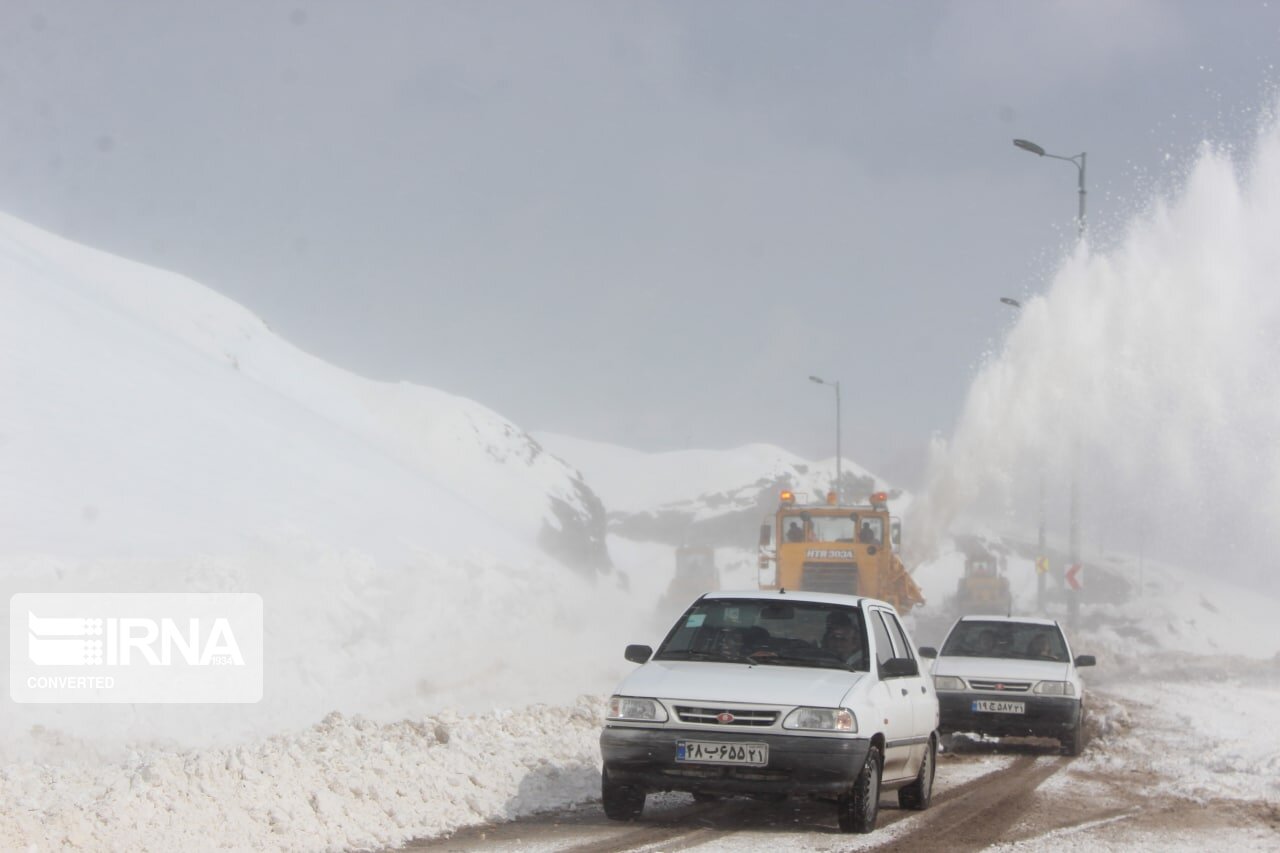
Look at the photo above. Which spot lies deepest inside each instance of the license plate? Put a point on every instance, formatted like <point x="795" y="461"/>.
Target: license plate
<point x="993" y="707"/>
<point x="710" y="752"/>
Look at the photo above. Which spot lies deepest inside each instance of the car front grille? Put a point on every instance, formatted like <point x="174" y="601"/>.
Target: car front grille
<point x="1001" y="686"/>
<point x="710" y="716"/>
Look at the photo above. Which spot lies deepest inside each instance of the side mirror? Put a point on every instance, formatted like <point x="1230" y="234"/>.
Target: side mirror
<point x="899" y="668"/>
<point x="766" y="536"/>
<point x="1086" y="660"/>
<point x="928" y="652"/>
<point x="638" y="653"/>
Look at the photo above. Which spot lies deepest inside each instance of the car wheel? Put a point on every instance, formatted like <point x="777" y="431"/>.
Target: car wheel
<point x="621" y="802"/>
<point x="1073" y="744"/>
<point x="702" y="797"/>
<point x="919" y="793"/>
<point x="858" y="807"/>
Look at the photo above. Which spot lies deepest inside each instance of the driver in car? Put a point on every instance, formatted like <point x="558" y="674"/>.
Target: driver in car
<point x="841" y="639"/>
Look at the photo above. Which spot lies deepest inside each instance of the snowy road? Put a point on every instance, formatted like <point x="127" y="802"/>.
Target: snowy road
<point x="1142" y="784"/>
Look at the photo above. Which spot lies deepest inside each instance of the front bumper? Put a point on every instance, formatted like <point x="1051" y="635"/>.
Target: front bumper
<point x="1046" y="716"/>
<point x="646" y="758"/>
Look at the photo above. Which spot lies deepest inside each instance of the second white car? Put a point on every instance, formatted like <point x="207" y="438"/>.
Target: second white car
<point x="1010" y="676"/>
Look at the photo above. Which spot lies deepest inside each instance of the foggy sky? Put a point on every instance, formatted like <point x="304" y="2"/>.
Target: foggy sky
<point x="641" y="223"/>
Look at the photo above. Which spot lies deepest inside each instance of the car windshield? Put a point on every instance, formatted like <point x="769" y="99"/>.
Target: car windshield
<point x="768" y="632"/>
<point x="1018" y="640"/>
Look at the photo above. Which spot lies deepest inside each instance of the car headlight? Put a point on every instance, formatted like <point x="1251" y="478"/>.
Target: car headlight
<point x="822" y="719"/>
<point x="634" y="708"/>
<point x="947" y="682"/>
<point x="1055" y="688"/>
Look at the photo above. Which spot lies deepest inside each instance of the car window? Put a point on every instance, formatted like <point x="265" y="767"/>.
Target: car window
<point x="769" y="632"/>
<point x="895" y="638"/>
<point x="884" y="645"/>
<point x="899" y="634"/>
<point x="1003" y="639"/>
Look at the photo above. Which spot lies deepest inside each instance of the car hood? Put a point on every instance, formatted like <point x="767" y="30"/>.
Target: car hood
<point x="996" y="668"/>
<point x="699" y="681"/>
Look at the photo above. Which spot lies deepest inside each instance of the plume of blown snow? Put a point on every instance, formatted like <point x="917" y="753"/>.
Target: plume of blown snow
<point x="1150" y="376"/>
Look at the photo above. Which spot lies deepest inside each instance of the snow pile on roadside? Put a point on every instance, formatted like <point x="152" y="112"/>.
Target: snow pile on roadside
<point x="345" y="782"/>
<point x="1199" y="739"/>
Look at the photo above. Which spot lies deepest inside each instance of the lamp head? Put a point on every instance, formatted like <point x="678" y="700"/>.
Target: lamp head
<point x="1026" y="145"/>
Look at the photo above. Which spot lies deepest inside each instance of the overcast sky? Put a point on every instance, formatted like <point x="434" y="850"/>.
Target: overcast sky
<point x="642" y="223"/>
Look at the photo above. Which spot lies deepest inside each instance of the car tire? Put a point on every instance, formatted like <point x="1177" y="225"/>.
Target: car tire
<point x="919" y="794"/>
<point x="702" y="797"/>
<point x="858" y="807"/>
<point x="1073" y="744"/>
<point x="621" y="802"/>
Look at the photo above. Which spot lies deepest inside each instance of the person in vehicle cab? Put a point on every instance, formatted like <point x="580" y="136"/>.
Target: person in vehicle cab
<point x="868" y="535"/>
<point x="842" y="640"/>
<point x="795" y="533"/>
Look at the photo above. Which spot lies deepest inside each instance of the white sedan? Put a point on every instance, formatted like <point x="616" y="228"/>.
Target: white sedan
<point x="771" y="694"/>
<point x="1010" y="676"/>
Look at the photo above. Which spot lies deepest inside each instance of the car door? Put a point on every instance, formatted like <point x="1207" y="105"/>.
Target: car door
<point x="924" y="703"/>
<point x="898" y="723"/>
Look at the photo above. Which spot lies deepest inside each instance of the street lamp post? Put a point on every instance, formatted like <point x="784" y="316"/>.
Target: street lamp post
<point x="1078" y="161"/>
<point x="1042" y="558"/>
<point x="1073" y="598"/>
<point x="839" y="478"/>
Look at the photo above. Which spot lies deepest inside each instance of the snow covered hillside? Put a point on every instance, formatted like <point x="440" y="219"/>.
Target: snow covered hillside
<point x="146" y="412"/>
<point x="158" y="437"/>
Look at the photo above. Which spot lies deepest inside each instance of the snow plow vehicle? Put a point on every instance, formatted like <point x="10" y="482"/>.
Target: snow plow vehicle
<point x="984" y="588"/>
<point x="833" y="547"/>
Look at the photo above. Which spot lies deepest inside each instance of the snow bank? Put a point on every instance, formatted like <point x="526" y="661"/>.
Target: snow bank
<point x="345" y="633"/>
<point x="345" y="782"/>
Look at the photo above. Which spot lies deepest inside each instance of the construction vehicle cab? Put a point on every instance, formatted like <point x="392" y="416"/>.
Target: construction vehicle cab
<point x="830" y="547"/>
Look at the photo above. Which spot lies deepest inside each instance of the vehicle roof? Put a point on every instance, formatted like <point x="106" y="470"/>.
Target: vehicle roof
<point x="797" y="595"/>
<point x="1026" y="620"/>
